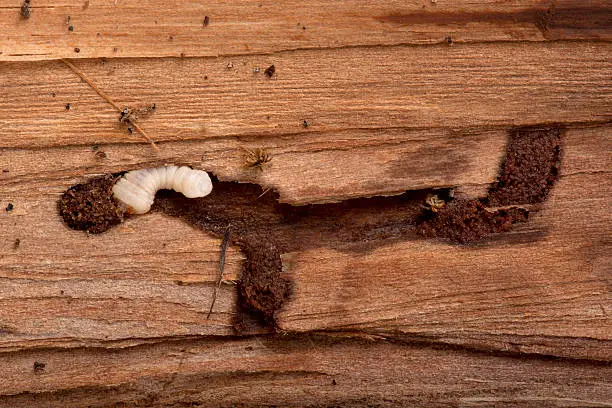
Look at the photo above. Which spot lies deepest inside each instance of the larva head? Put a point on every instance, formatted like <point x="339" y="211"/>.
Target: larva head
<point x="196" y="183"/>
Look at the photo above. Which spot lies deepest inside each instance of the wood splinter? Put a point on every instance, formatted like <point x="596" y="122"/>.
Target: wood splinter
<point x="224" y="245"/>
<point x="109" y="100"/>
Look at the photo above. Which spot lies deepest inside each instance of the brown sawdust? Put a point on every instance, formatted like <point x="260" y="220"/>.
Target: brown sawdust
<point x="90" y="206"/>
<point x="530" y="168"/>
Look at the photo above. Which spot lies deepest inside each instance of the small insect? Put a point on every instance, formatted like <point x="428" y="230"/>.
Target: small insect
<point x="125" y="115"/>
<point x="39" y="367"/>
<point x="270" y="71"/>
<point x="434" y="203"/>
<point x="25" y="11"/>
<point x="206" y="21"/>
<point x="136" y="189"/>
<point x="224" y="245"/>
<point x="9" y="207"/>
<point x="257" y="158"/>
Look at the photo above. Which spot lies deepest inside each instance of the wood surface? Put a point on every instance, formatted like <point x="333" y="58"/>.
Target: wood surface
<point x="315" y="371"/>
<point x="105" y="28"/>
<point x="366" y="88"/>
<point x="119" y="319"/>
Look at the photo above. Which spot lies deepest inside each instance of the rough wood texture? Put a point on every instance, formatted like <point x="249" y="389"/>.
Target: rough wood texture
<point x="490" y="294"/>
<point x="377" y="162"/>
<point x="107" y="29"/>
<point x="145" y="264"/>
<point x="472" y="85"/>
<point x="310" y="371"/>
<point x="119" y="319"/>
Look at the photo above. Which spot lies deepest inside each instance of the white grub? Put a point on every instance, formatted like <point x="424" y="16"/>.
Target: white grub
<point x="136" y="189"/>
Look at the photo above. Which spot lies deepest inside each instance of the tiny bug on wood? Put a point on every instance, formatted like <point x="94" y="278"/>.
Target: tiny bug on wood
<point x="25" y="11"/>
<point x="434" y="203"/>
<point x="131" y="115"/>
<point x="270" y="71"/>
<point x="136" y="189"/>
<point x="257" y="158"/>
<point x="39" y="367"/>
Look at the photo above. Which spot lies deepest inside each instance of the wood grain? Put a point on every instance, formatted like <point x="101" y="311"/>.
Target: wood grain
<point x="468" y="86"/>
<point x="63" y="287"/>
<point x="549" y="279"/>
<point x="396" y="96"/>
<point x="153" y="276"/>
<point x="117" y="29"/>
<point x="302" y="170"/>
<point x="309" y="371"/>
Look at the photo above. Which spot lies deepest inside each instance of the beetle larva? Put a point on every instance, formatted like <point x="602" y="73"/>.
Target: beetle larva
<point x="136" y="189"/>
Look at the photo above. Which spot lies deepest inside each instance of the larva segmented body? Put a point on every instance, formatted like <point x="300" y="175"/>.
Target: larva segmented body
<point x="136" y="189"/>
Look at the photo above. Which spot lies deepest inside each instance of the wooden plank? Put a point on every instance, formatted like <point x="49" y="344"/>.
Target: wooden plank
<point x="320" y="168"/>
<point x="548" y="280"/>
<point x="368" y="98"/>
<point x="467" y="86"/>
<point x="175" y="28"/>
<point x="123" y="286"/>
<point x="152" y="277"/>
<point x="300" y="372"/>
